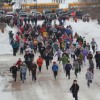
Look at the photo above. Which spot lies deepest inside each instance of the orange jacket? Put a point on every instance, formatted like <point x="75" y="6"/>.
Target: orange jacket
<point x="39" y="62"/>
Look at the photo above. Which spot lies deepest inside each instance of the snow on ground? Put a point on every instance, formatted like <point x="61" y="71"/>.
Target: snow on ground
<point x="5" y="47"/>
<point x="88" y="30"/>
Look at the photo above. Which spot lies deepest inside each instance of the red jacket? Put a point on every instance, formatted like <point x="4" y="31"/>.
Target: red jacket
<point x="39" y="62"/>
<point x="18" y="62"/>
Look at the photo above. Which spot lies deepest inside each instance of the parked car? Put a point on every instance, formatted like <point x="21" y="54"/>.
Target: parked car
<point x="23" y="15"/>
<point x="33" y="11"/>
<point x="22" y="11"/>
<point x="46" y="11"/>
<point x="38" y="15"/>
<point x="58" y="11"/>
<point x="51" y="15"/>
<point x="11" y="13"/>
<point x="9" y="16"/>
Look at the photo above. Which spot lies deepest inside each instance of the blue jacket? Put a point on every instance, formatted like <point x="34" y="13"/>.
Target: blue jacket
<point x="68" y="31"/>
<point x="55" y="67"/>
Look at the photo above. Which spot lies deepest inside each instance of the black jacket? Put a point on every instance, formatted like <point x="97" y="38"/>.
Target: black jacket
<point x="97" y="57"/>
<point x="33" y="68"/>
<point x="74" y="88"/>
<point x="13" y="69"/>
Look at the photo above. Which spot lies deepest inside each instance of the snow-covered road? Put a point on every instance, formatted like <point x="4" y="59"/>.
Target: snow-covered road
<point x="46" y="87"/>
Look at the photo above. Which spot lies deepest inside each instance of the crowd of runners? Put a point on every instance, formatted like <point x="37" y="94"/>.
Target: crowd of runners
<point x="48" y="41"/>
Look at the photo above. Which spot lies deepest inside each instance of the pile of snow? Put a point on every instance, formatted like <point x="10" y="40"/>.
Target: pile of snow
<point x="88" y="30"/>
<point x="5" y="47"/>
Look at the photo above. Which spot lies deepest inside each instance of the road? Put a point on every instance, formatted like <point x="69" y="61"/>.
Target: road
<point x="46" y="87"/>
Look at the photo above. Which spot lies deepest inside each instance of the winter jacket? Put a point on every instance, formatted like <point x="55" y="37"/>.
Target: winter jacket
<point x="90" y="56"/>
<point x="77" y="52"/>
<point x="64" y="59"/>
<point x="93" y="43"/>
<point x="21" y="44"/>
<point x="27" y="57"/>
<point x="89" y="75"/>
<point x="55" y="67"/>
<point x="19" y="62"/>
<point x="39" y="62"/>
<point x="81" y="56"/>
<point x="13" y="69"/>
<point x="33" y="68"/>
<point x="85" y="52"/>
<point x="76" y="65"/>
<point x="97" y="58"/>
<point x="23" y="69"/>
<point x="15" y="44"/>
<point x="74" y="88"/>
<point x="91" y="64"/>
<point x="68" y="67"/>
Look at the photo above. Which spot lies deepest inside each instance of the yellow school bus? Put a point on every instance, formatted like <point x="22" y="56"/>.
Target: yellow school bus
<point x="41" y="6"/>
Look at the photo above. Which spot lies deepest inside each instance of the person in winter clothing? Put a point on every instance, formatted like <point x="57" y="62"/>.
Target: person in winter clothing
<point x="75" y="89"/>
<point x="65" y="53"/>
<point x="47" y="59"/>
<point x="33" y="71"/>
<point x="42" y="50"/>
<point x="19" y="63"/>
<point x="93" y="44"/>
<point x="10" y="36"/>
<point x="31" y="54"/>
<point x="28" y="60"/>
<point x="15" y="46"/>
<point x="23" y="71"/>
<point x="21" y="46"/>
<point x="13" y="70"/>
<point x="81" y="57"/>
<point x="68" y="67"/>
<point x="97" y="59"/>
<point x="58" y="54"/>
<point x="76" y="67"/>
<point x="91" y="65"/>
<point x="89" y="77"/>
<point x="55" y="69"/>
<point x="39" y="63"/>
<point x="89" y="56"/>
<point x="87" y="47"/>
<point x="77" y="52"/>
<point x="85" y="53"/>
<point x="64" y="60"/>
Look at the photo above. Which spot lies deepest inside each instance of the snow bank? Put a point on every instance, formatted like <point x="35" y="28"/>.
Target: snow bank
<point x="88" y="30"/>
<point x="5" y="47"/>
